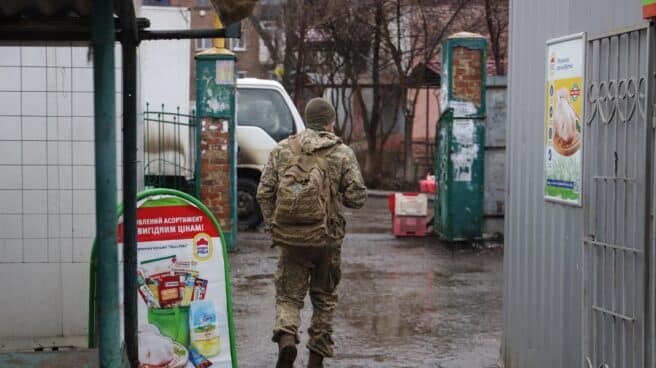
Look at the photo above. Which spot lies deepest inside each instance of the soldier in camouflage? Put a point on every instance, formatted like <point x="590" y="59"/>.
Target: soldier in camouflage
<point x="312" y="267"/>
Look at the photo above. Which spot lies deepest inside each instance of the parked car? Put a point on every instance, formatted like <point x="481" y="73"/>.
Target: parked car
<point x="265" y="116"/>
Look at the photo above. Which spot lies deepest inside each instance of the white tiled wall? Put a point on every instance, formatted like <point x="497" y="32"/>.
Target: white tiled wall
<point x="47" y="197"/>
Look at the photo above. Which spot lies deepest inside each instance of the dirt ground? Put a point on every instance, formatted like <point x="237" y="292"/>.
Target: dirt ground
<point x="409" y="302"/>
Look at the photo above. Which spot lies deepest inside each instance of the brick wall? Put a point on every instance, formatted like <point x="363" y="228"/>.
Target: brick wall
<point x="467" y="78"/>
<point x="215" y="169"/>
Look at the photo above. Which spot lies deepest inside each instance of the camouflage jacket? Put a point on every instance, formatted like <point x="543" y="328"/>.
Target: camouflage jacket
<point x="343" y="170"/>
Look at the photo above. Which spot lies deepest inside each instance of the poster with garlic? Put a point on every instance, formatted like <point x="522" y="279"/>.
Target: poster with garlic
<point x="563" y="121"/>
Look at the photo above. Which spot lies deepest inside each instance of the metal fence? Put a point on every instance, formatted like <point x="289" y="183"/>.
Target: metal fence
<point x="171" y="141"/>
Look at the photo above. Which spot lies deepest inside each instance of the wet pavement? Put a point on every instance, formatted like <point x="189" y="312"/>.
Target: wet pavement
<point x="410" y="302"/>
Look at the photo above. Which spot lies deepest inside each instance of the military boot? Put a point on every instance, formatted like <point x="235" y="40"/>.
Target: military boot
<point x="315" y="361"/>
<point x="286" y="351"/>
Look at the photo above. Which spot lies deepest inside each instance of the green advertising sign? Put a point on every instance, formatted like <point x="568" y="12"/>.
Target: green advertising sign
<point x="183" y="283"/>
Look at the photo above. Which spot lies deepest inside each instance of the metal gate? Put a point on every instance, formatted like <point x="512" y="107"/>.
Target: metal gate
<point x="171" y="141"/>
<point x="617" y="199"/>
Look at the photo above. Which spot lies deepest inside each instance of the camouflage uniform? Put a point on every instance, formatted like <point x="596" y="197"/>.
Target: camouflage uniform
<point x="316" y="268"/>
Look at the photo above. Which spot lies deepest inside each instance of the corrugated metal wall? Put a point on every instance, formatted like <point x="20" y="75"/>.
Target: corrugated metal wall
<point x="543" y="289"/>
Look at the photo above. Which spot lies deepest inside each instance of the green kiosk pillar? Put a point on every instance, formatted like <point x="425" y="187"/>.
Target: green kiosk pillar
<point x="215" y="109"/>
<point x="460" y="145"/>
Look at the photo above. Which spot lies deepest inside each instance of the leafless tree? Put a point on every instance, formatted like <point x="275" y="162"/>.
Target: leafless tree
<point x="383" y="47"/>
<point x="496" y="18"/>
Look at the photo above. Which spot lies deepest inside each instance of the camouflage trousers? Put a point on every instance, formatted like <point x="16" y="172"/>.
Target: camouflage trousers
<point x="300" y="268"/>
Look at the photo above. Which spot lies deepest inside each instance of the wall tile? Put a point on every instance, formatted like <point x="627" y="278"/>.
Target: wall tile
<point x="84" y="177"/>
<point x="35" y="250"/>
<point x="10" y="152"/>
<point x="66" y="177"/>
<point x="10" y="202"/>
<point x="10" y="103"/>
<point x="35" y="226"/>
<point x="82" y="249"/>
<point x="76" y="287"/>
<point x="82" y="104"/>
<point x="54" y="204"/>
<point x="33" y="79"/>
<point x="11" y="177"/>
<point x="35" y="177"/>
<point x="83" y="153"/>
<point x="44" y="278"/>
<point x="52" y="148"/>
<point x="10" y="126"/>
<point x="65" y="128"/>
<point x="33" y="103"/>
<point x="83" y="128"/>
<point x="33" y="56"/>
<point x="84" y="225"/>
<point x="11" y="250"/>
<point x="34" y="128"/>
<point x="35" y="153"/>
<point x="10" y="56"/>
<point x="80" y="57"/>
<point x="82" y="80"/>
<point x="35" y="201"/>
<point x="52" y="127"/>
<point x="63" y="79"/>
<point x="85" y="201"/>
<point x="10" y="226"/>
<point x="64" y="104"/>
<point x="10" y="78"/>
<point x="54" y="249"/>
<point x="63" y="56"/>
<point x="65" y="153"/>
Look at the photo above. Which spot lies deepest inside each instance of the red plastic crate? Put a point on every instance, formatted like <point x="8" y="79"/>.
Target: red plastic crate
<point x="428" y="186"/>
<point x="409" y="226"/>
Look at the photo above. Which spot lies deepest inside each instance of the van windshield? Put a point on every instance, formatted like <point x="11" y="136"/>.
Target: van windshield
<point x="265" y="109"/>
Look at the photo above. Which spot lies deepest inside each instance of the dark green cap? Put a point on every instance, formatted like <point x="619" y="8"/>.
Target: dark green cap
<point x="318" y="113"/>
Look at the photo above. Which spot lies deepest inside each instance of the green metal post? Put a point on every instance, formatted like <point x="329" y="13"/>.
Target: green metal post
<point x="102" y="41"/>
<point x="129" y="68"/>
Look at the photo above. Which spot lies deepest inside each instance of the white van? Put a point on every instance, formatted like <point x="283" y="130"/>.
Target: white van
<point x="265" y="116"/>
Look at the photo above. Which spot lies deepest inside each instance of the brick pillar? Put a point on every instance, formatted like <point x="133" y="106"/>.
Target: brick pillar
<point x="215" y="169"/>
<point x="215" y="108"/>
<point x="467" y="80"/>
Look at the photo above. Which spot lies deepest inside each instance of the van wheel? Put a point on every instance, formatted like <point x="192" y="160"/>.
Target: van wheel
<point x="247" y="208"/>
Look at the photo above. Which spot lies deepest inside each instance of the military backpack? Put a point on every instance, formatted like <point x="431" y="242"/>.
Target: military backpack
<point x="305" y="199"/>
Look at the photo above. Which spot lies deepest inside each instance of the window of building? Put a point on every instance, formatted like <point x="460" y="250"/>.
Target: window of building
<point x="157" y="2"/>
<point x="238" y="44"/>
<point x="203" y="43"/>
<point x="264" y="55"/>
<point x="267" y="110"/>
<point x="203" y="3"/>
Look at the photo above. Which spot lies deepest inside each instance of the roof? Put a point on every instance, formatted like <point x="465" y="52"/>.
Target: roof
<point x="256" y="82"/>
<point x="15" y="8"/>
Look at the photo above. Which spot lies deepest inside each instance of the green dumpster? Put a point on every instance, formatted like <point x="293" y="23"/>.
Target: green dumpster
<point x="460" y="139"/>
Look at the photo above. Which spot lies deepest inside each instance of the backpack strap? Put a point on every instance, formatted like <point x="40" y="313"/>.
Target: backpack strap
<point x="322" y="161"/>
